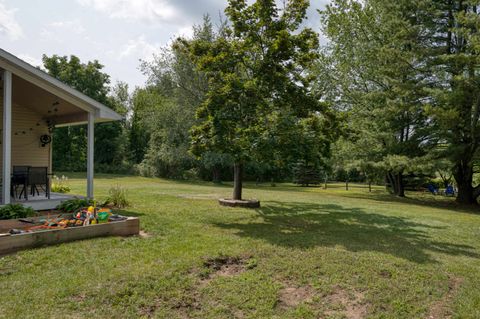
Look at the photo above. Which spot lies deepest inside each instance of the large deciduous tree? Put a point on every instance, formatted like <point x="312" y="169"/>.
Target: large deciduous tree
<point x="259" y="85"/>
<point x="69" y="143"/>
<point x="164" y="111"/>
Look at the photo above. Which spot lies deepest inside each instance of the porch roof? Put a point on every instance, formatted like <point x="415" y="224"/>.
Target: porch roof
<point x="46" y="91"/>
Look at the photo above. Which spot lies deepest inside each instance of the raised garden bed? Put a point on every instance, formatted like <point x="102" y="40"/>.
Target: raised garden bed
<point x="14" y="242"/>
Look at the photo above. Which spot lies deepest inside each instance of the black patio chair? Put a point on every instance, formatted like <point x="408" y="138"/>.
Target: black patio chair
<point x="38" y="178"/>
<point x="19" y="178"/>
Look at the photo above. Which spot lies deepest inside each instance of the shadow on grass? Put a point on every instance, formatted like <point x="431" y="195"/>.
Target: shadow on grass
<point x="303" y="225"/>
<point x="417" y="198"/>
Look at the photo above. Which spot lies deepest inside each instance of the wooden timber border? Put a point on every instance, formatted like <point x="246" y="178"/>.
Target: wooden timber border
<point x="12" y="243"/>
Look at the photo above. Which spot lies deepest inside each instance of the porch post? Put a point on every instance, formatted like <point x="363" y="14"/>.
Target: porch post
<point x="90" y="152"/>
<point x="7" y="136"/>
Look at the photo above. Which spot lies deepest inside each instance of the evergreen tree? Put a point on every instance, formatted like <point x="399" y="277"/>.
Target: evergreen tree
<point x="378" y="53"/>
<point x="455" y="63"/>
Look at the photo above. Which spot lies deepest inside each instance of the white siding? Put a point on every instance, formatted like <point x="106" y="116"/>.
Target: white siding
<point x="26" y="146"/>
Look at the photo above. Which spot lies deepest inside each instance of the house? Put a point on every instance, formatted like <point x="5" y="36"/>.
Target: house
<point x="32" y="103"/>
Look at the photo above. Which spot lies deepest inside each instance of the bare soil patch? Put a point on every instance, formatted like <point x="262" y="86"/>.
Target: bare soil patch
<point x="144" y="234"/>
<point x="441" y="308"/>
<point x="293" y="296"/>
<point x="351" y="305"/>
<point x="226" y="266"/>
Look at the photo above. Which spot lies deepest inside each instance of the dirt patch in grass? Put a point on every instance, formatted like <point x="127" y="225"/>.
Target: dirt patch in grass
<point x="147" y="311"/>
<point x="441" y="309"/>
<point x="144" y="234"/>
<point x="293" y="296"/>
<point x="79" y="298"/>
<point x="182" y="306"/>
<point x="350" y="305"/>
<point x="226" y="266"/>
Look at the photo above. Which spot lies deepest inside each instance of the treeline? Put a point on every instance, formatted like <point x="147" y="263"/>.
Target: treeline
<point x="397" y="85"/>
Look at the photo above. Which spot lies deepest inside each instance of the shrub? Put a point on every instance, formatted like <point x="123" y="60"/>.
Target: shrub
<point x="71" y="205"/>
<point x="117" y="196"/>
<point x="191" y="174"/>
<point x="60" y="185"/>
<point x="13" y="211"/>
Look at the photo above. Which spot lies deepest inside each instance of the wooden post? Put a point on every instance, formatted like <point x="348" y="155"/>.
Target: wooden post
<point x="90" y="153"/>
<point x="7" y="135"/>
<point x="369" y="186"/>
<point x="346" y="185"/>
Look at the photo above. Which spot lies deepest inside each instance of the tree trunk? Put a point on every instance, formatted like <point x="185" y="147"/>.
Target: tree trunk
<point x="396" y="184"/>
<point x="237" y="181"/>
<point x="400" y="185"/>
<point x="463" y="173"/>
<point x="216" y="174"/>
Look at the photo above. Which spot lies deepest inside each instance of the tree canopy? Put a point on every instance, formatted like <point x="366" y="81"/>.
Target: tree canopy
<point x="259" y="84"/>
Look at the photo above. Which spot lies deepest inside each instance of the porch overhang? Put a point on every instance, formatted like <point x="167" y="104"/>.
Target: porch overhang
<point x="54" y="102"/>
<point x="49" y="90"/>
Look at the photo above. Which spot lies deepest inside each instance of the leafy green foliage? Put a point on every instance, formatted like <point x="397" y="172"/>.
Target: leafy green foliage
<point x="376" y="59"/>
<point x="70" y="143"/>
<point x="164" y="111"/>
<point x="72" y="205"/>
<point x="117" y="196"/>
<point x="306" y="175"/>
<point x="14" y="211"/>
<point x="60" y="184"/>
<point x="259" y="86"/>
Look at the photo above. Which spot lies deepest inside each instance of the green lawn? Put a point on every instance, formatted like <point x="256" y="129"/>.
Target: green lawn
<point x="307" y="253"/>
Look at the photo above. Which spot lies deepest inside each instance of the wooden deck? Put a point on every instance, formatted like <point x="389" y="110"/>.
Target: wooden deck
<point x="42" y="203"/>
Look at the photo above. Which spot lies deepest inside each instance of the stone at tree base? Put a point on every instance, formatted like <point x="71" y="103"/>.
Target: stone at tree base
<point x="253" y="203"/>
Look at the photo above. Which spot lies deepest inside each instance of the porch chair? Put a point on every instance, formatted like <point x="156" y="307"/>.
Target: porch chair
<point x="19" y="178"/>
<point x="432" y="189"/>
<point x="38" y="177"/>
<point x="449" y="191"/>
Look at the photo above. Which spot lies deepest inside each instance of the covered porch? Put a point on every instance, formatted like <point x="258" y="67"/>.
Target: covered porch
<point x="41" y="202"/>
<point x="32" y="104"/>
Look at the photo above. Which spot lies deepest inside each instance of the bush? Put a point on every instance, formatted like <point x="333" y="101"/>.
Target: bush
<point x="71" y="205"/>
<point x="117" y="197"/>
<point x="60" y="185"/>
<point x="13" y="211"/>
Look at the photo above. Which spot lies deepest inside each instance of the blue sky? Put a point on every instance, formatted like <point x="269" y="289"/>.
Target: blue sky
<point x="118" y="33"/>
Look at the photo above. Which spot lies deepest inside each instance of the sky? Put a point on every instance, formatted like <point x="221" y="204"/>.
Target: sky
<point x="118" y="33"/>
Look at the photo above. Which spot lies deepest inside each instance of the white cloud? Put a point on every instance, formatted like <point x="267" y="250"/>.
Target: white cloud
<point x="143" y="10"/>
<point x="8" y="24"/>
<point x="186" y="32"/>
<point x="74" y="26"/>
<point x="139" y="48"/>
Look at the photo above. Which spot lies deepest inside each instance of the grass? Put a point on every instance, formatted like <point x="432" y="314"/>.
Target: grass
<point x="308" y="253"/>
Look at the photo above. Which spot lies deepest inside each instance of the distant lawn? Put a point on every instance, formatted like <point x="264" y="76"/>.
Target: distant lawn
<point x="307" y="253"/>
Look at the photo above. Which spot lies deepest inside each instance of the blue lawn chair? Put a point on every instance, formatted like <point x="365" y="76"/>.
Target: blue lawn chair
<point x="432" y="189"/>
<point x="449" y="191"/>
